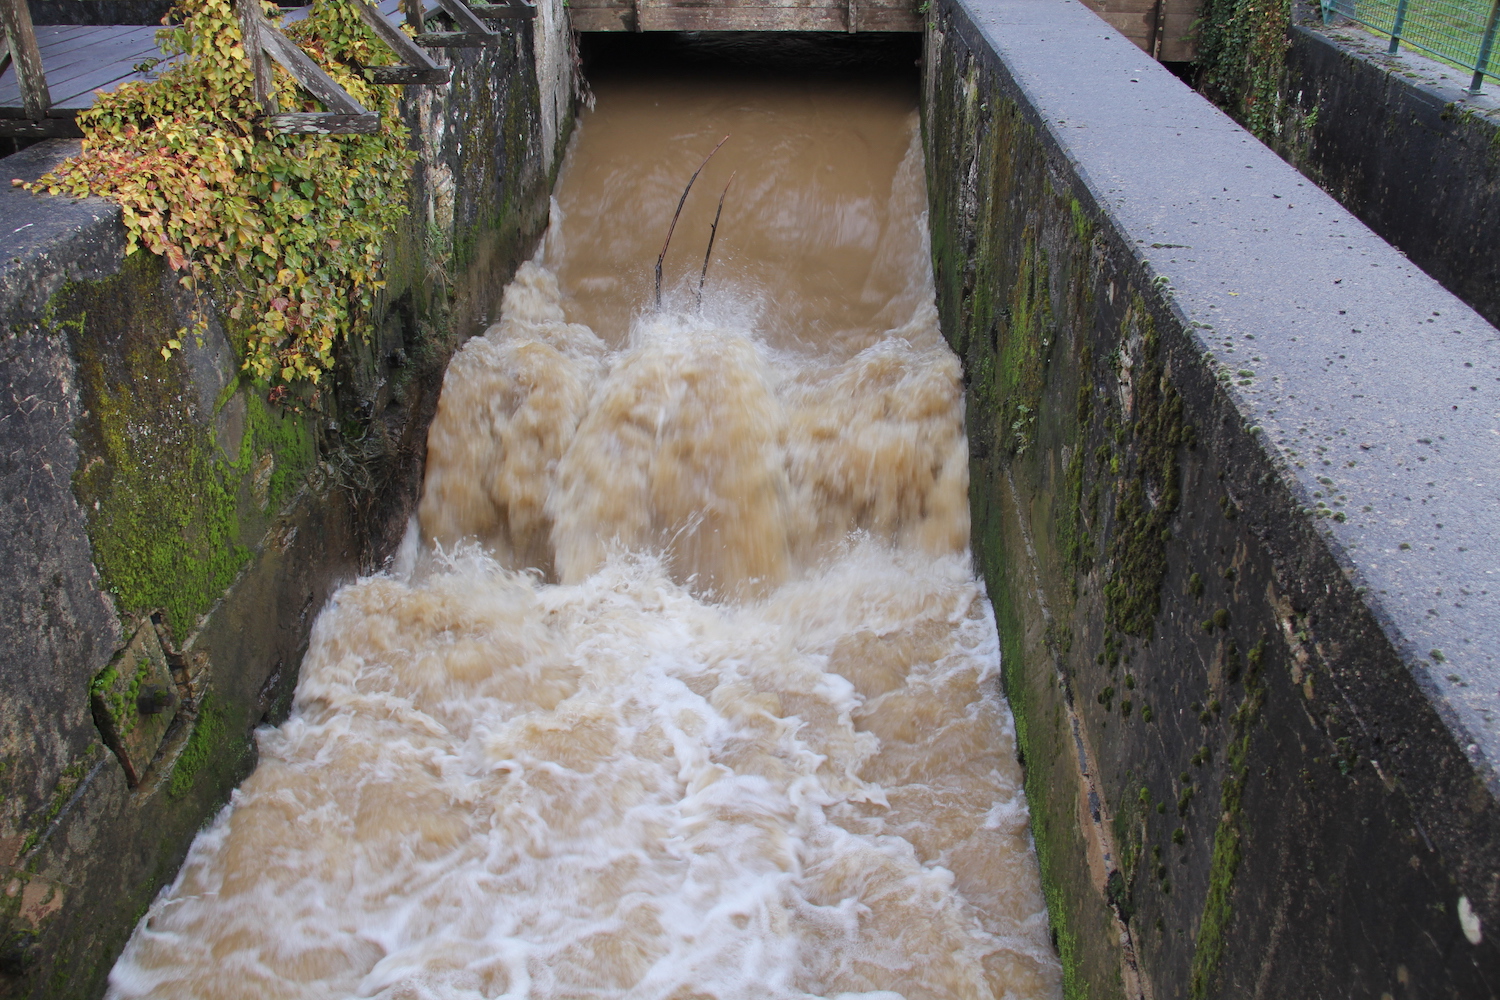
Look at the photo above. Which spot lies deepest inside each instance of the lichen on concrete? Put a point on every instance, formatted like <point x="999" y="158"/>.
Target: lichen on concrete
<point x="1213" y="928"/>
<point x="1147" y="497"/>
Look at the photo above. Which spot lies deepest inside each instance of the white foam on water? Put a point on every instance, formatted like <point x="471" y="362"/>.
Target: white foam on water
<point x="681" y="687"/>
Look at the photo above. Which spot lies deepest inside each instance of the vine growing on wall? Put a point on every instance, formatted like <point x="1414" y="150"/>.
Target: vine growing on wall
<point x="1241" y="53"/>
<point x="287" y="229"/>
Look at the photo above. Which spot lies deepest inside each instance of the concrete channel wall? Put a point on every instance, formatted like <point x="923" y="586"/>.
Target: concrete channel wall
<point x="1399" y="143"/>
<point x="166" y="521"/>
<point x="1236" y="495"/>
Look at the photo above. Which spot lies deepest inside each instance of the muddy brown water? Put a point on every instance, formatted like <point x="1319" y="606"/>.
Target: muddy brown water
<point x="683" y="685"/>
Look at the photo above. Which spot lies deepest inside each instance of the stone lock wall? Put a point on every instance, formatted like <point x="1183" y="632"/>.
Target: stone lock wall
<point x="1398" y="141"/>
<point x="1235" y="476"/>
<point x="170" y="530"/>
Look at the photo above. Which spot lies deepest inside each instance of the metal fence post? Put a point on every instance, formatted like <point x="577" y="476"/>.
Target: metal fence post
<point x="1482" y="63"/>
<point x="1396" y="28"/>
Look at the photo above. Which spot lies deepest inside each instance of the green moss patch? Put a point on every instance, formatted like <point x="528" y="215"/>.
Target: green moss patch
<point x="1224" y="866"/>
<point x="209" y="732"/>
<point x="171" y="518"/>
<point x="1149" y="494"/>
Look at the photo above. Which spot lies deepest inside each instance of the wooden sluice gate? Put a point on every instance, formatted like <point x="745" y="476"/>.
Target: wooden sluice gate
<point x="1162" y="28"/>
<point x="745" y="15"/>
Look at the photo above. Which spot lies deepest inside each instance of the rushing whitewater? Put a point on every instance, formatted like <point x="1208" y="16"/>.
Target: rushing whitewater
<point x="683" y="687"/>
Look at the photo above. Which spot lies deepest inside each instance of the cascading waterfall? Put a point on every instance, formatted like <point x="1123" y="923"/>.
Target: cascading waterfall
<point x="684" y="686"/>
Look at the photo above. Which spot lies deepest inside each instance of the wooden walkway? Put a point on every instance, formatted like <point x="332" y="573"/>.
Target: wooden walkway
<point x="82" y="60"/>
<point x="79" y="60"/>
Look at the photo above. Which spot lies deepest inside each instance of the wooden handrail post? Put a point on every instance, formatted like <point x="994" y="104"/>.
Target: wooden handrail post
<point x="252" y="20"/>
<point x="27" y="57"/>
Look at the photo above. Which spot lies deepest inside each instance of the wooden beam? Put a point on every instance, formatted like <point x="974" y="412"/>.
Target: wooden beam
<point x="475" y="32"/>
<point x="310" y="75"/>
<point x="41" y="128"/>
<point x="599" y="19"/>
<point x="467" y="20"/>
<point x="415" y="67"/>
<point x="452" y="40"/>
<point x="324" y="123"/>
<point x="343" y="115"/>
<point x="399" y="75"/>
<point x="15" y="17"/>
<point x="253" y="25"/>
<point x="504" y="11"/>
<point x="744" y="15"/>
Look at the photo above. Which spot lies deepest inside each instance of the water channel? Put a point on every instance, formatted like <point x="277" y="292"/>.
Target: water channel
<point x="684" y="685"/>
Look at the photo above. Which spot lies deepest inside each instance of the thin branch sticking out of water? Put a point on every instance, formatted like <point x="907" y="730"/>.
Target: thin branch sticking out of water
<point x="675" y="215"/>
<point x="713" y="231"/>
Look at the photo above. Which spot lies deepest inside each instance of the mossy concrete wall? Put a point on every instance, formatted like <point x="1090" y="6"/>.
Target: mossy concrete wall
<point x="175" y="496"/>
<point x="1402" y="145"/>
<point x="1236" y="495"/>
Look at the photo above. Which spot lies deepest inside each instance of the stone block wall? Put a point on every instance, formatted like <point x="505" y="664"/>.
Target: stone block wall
<point x="1236" y="490"/>
<point x="172" y="504"/>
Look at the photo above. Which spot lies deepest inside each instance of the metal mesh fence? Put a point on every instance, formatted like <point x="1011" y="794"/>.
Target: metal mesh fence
<point x="1461" y="32"/>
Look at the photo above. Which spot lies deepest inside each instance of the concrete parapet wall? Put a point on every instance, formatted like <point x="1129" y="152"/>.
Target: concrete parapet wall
<point x="1236" y="494"/>
<point x="1399" y="143"/>
<point x="173" y="503"/>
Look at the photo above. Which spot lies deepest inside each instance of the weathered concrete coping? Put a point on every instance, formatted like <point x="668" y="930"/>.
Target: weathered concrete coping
<point x="1429" y="184"/>
<point x="44" y="240"/>
<point x="1367" y="380"/>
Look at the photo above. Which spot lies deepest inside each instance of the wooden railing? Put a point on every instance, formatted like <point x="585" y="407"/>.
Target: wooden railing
<point x="26" y="57"/>
<point x="270" y="48"/>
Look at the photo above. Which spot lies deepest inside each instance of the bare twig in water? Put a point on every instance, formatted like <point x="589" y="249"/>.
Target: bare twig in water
<point x="713" y="231"/>
<point x="675" y="215"/>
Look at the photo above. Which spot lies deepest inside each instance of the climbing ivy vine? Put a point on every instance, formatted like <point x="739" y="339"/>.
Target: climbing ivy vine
<point x="288" y="230"/>
<point x="1241" y="52"/>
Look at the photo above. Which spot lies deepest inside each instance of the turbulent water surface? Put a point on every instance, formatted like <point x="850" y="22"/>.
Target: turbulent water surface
<point x="683" y="687"/>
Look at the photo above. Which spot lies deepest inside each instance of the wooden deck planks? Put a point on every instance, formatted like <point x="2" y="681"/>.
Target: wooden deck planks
<point x="105" y="51"/>
<point x="79" y="60"/>
<point x="79" y="93"/>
